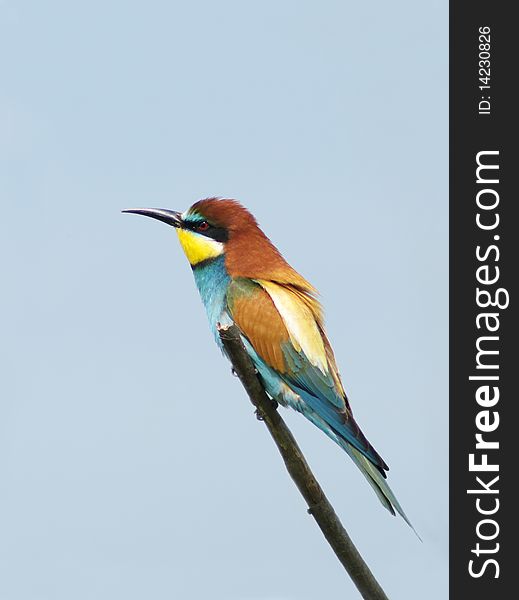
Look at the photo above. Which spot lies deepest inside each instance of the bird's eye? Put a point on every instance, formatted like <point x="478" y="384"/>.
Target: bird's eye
<point x="203" y="226"/>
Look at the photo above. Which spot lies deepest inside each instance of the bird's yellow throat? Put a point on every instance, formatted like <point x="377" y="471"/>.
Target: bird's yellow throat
<point x="198" y="247"/>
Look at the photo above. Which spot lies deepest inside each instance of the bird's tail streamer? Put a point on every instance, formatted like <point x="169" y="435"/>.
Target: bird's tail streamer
<point x="378" y="483"/>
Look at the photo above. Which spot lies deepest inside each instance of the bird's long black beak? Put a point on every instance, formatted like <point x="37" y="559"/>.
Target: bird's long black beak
<point x="170" y="217"/>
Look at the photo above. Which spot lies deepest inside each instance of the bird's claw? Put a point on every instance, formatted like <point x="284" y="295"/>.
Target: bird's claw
<point x="233" y="372"/>
<point x="259" y="414"/>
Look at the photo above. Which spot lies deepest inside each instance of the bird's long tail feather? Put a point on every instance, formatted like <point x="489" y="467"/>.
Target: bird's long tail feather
<point x="373" y="473"/>
<point x="378" y="483"/>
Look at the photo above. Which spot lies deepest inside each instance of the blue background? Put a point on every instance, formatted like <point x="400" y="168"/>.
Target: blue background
<point x="131" y="465"/>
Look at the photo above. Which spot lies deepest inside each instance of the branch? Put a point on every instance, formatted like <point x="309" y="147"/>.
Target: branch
<point x="318" y="505"/>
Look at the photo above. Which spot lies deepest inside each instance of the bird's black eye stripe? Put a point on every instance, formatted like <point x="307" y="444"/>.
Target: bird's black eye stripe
<point x="218" y="234"/>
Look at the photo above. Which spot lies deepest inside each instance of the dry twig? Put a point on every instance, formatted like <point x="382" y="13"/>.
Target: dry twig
<point x="318" y="505"/>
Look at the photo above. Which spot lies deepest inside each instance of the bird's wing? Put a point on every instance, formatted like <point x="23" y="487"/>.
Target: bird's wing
<point x="284" y="326"/>
<point x="302" y="315"/>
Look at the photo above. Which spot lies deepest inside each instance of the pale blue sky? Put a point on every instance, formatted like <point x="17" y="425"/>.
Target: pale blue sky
<point x="131" y="465"/>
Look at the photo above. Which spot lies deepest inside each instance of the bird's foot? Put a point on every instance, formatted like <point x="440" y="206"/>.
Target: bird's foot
<point x="233" y="372"/>
<point x="258" y="412"/>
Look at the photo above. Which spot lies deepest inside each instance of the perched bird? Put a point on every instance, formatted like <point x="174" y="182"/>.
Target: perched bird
<point x="243" y="280"/>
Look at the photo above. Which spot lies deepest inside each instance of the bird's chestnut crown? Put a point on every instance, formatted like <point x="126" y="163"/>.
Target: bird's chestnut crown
<point x="219" y="219"/>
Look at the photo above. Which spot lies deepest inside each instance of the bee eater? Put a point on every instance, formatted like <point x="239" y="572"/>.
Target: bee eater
<point x="244" y="280"/>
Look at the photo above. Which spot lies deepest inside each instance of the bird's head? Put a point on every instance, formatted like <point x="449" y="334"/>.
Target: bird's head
<point x="207" y="227"/>
<point x="214" y="227"/>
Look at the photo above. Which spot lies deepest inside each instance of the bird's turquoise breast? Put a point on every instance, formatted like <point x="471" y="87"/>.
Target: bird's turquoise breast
<point x="212" y="280"/>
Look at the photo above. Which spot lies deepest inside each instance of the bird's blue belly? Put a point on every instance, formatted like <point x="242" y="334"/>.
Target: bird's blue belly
<point x="212" y="280"/>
